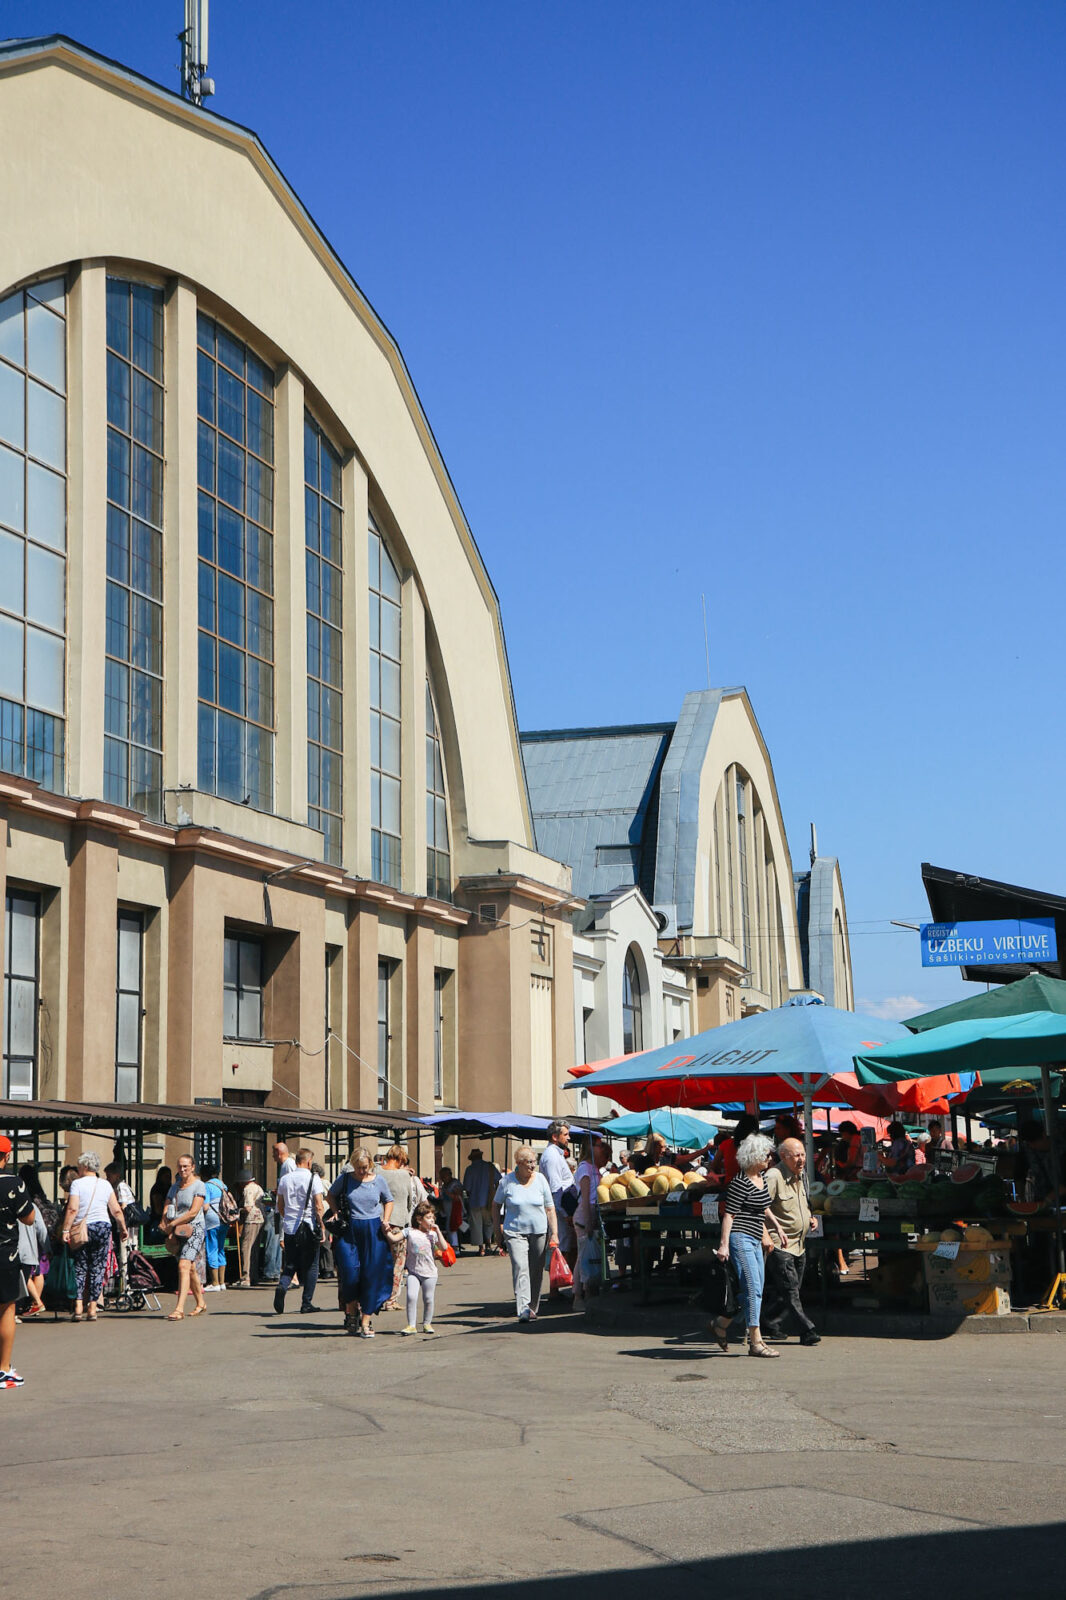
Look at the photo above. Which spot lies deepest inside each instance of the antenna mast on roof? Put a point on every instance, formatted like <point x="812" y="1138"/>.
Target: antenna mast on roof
<point x="195" y="84"/>
<point x="814" y="844"/>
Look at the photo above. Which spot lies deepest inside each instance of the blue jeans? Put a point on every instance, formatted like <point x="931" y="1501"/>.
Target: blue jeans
<point x="750" y="1263"/>
<point x="215" y="1241"/>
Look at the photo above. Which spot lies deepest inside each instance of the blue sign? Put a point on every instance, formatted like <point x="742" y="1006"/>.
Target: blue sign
<point x="989" y="944"/>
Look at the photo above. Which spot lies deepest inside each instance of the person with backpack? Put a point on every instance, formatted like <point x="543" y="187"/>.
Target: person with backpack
<point x="220" y="1211"/>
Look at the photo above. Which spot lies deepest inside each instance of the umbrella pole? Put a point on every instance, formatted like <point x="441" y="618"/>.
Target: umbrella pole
<point x="808" y="1131"/>
<point x="1051" y="1124"/>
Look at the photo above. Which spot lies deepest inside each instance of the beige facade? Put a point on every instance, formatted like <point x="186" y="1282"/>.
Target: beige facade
<point x="261" y="776"/>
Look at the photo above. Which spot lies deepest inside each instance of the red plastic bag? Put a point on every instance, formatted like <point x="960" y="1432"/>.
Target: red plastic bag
<point x="559" y="1274"/>
<point x="447" y="1256"/>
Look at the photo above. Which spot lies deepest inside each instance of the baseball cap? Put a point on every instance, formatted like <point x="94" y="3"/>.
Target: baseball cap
<point x="6" y="1146"/>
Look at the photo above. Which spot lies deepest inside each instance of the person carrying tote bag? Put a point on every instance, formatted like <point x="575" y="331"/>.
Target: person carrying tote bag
<point x="91" y="1207"/>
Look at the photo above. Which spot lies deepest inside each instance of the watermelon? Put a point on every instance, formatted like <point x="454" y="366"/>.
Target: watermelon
<point x="969" y="1172"/>
<point x="836" y="1187"/>
<point x="1023" y="1208"/>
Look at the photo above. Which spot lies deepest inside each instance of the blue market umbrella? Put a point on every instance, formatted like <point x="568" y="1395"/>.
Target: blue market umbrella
<point x="793" y="1052"/>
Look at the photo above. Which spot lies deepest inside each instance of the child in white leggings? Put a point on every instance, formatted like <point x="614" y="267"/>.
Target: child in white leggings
<point x="424" y="1242"/>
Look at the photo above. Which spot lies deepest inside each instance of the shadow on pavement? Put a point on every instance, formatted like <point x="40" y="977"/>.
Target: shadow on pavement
<point x="978" y="1564"/>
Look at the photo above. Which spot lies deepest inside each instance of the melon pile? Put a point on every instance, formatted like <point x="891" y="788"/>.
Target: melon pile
<point x="655" y="1183"/>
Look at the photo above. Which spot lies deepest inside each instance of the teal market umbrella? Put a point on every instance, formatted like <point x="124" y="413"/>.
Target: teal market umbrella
<point x="1029" y="1044"/>
<point x="680" y="1131"/>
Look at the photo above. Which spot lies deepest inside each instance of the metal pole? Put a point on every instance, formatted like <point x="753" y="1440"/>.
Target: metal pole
<point x="1051" y="1124"/>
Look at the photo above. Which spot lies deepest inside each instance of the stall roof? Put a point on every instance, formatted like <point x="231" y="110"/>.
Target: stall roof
<point x="197" y="1118"/>
<point x="511" y="1123"/>
<point x="962" y="897"/>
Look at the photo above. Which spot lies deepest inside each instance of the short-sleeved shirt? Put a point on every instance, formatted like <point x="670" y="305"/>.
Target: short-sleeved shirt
<point x="789" y="1204"/>
<point x="747" y="1204"/>
<point x="184" y="1199"/>
<point x="250" y="1200"/>
<point x="406" y="1191"/>
<point x="92" y="1195"/>
<point x="480" y="1180"/>
<point x="901" y="1154"/>
<point x="366" y="1198"/>
<point x="420" y="1245"/>
<point x="214" y="1189"/>
<point x="524" y="1204"/>
<point x="15" y="1206"/>
<point x="292" y="1195"/>
<point x="555" y="1167"/>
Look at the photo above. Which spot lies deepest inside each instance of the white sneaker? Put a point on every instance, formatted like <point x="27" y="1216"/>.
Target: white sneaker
<point x="210" y="1288"/>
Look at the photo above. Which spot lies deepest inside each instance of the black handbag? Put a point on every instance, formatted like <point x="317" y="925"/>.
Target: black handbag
<point x="717" y="1293"/>
<point x="337" y="1224"/>
<point x="570" y="1199"/>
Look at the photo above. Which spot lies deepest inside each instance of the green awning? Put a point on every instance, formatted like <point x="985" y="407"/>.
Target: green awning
<point x="1019" y="1044"/>
<point x="1034" y="993"/>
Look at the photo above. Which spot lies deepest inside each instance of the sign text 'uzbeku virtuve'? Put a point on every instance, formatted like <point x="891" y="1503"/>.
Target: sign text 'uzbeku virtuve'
<point x="989" y="944"/>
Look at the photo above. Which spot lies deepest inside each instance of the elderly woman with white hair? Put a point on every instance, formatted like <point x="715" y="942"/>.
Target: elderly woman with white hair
<point x="87" y="1231"/>
<point x="746" y="1220"/>
<point x="523" y="1213"/>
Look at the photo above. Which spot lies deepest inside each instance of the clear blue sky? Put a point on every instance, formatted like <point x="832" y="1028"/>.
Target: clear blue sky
<point x="758" y="300"/>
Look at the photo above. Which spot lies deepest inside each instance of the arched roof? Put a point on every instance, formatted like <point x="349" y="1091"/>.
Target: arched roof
<point x="164" y="183"/>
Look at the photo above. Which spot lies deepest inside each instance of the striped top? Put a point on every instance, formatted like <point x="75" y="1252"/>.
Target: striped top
<point x="747" y="1203"/>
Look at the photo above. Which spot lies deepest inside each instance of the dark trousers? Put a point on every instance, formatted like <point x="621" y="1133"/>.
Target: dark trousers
<point x="784" y="1279"/>
<point x="299" y="1258"/>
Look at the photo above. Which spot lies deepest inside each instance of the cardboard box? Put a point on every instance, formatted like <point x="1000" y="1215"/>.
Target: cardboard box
<point x="967" y="1300"/>
<point x="980" y="1268"/>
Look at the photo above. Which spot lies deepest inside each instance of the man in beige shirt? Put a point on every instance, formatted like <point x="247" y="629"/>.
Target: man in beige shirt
<point x="786" y="1184"/>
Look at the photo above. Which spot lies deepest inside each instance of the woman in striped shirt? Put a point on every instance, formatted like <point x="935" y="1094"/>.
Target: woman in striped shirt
<point x="746" y="1220"/>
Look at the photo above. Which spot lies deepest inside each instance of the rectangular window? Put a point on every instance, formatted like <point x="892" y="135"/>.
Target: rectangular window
<point x="33" y="532"/>
<point x="129" y="1007"/>
<point x="385" y="712"/>
<point x="242" y="989"/>
<point x="439" y="980"/>
<point x="22" y="965"/>
<point x="438" y="858"/>
<point x="322" y="534"/>
<point x="235" y="456"/>
<point x="133" y="684"/>
<point x="384" y="979"/>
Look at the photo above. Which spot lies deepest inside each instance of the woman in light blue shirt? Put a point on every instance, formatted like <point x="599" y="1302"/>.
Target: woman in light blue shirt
<point x="525" y="1222"/>
<point x="363" y="1201"/>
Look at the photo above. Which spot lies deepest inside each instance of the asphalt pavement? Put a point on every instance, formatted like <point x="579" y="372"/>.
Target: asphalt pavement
<point x="248" y="1455"/>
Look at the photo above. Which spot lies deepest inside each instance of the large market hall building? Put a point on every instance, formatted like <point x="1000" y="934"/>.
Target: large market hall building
<point x="690" y="915"/>
<point x="267" y="836"/>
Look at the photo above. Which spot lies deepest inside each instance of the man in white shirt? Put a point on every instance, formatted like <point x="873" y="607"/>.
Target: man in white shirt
<point x="285" y="1162"/>
<point x="556" y="1169"/>
<point x="301" y="1203"/>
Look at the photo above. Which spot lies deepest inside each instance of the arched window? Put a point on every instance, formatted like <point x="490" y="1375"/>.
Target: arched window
<point x="385" y="712"/>
<point x="322" y="531"/>
<point x="33" y="531"/>
<point x="235" y="466"/>
<point x="632" y="1016"/>
<point x="133" y="694"/>
<point x="438" y="858"/>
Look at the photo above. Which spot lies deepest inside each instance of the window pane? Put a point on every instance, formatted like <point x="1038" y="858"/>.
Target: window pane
<point x="22" y="998"/>
<point x="45" y="588"/>
<point x="12" y="335"/>
<point x="250" y="1014"/>
<point x="117" y="700"/>
<point x="12" y="550"/>
<point x="118" y="393"/>
<point x="229" y="1013"/>
<point x="118" y="545"/>
<point x="231" y="541"/>
<point x="46" y="426"/>
<point x="230" y="758"/>
<point x="390" y="631"/>
<point x="251" y="964"/>
<point x="205" y="749"/>
<point x="146" y="782"/>
<point x="127" y="1088"/>
<point x="46" y="345"/>
<point x="118" y="316"/>
<point x="390" y="746"/>
<point x="12" y="406"/>
<point x="12" y="489"/>
<point x="44" y="671"/>
<point x="116" y="771"/>
<point x="147" y="571"/>
<point x="230" y="961"/>
<point x="118" y="468"/>
<point x="390" y="582"/>
<point x="129" y="1028"/>
<point x="11" y="646"/>
<point x="129" y="952"/>
<point x="390" y="687"/>
<point x="390" y="805"/>
<point x="46" y="506"/>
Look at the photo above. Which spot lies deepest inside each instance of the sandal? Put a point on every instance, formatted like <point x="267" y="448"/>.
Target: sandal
<point x="764" y="1351"/>
<point x="199" y="1311"/>
<point x="175" y="1316"/>
<point x="90" y="1316"/>
<point x="720" y="1333"/>
<point x="77" y="1316"/>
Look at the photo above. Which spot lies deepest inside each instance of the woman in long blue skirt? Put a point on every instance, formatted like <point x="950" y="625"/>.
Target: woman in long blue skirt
<point x="363" y="1200"/>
